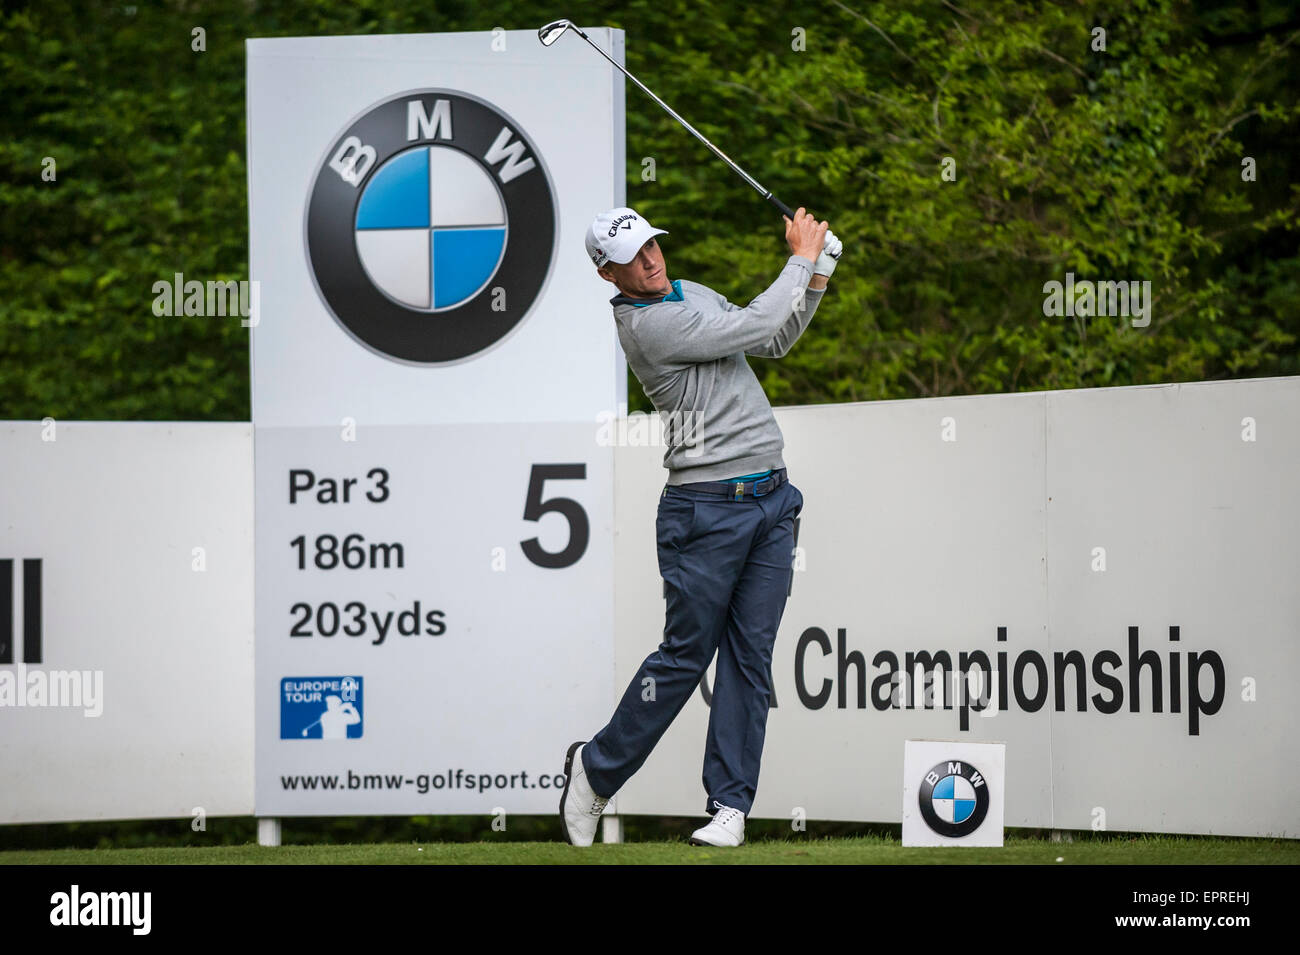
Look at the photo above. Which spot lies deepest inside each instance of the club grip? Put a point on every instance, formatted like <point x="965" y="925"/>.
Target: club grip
<point x="785" y="210"/>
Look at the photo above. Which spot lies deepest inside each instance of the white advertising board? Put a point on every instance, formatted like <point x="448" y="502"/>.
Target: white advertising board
<point x="126" y="555"/>
<point x="470" y="605"/>
<point x="126" y="621"/>
<point x="491" y="154"/>
<point x="432" y="634"/>
<point x="1083" y="544"/>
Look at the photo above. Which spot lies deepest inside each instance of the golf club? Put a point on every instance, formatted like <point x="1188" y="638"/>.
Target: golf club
<point x="553" y="31"/>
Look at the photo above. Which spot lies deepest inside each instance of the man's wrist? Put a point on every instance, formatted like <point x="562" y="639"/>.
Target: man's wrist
<point x="818" y="282"/>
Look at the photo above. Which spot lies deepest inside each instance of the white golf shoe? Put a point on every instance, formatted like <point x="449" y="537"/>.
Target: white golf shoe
<point x="726" y="829"/>
<point x="580" y="807"/>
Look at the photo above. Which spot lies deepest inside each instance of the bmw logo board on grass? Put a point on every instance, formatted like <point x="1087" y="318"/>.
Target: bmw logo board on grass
<point x="431" y="226"/>
<point x="953" y="792"/>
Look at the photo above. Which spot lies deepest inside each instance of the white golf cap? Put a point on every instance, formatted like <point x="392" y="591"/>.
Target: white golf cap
<point x="617" y="236"/>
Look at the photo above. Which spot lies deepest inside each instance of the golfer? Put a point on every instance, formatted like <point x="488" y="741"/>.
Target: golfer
<point x="725" y="524"/>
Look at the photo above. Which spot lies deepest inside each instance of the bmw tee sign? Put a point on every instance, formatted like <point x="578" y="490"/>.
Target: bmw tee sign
<point x="410" y="224"/>
<point x="953" y="793"/>
<point x="434" y="506"/>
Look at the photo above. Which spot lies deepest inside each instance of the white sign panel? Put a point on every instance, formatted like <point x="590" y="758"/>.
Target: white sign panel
<point x="434" y="350"/>
<point x="416" y="212"/>
<point x="126" y="621"/>
<point x="953" y="793"/>
<point x="467" y="608"/>
<point x="1173" y="538"/>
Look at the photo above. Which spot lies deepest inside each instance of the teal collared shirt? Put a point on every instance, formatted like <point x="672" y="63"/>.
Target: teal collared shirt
<point x="674" y="296"/>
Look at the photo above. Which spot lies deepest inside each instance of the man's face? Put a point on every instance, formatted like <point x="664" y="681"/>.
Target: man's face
<point x="646" y="276"/>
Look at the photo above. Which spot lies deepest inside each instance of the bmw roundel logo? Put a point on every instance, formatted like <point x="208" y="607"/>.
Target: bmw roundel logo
<point x="431" y="226"/>
<point x="954" y="798"/>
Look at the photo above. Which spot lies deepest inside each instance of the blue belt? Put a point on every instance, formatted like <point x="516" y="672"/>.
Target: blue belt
<point x="738" y="489"/>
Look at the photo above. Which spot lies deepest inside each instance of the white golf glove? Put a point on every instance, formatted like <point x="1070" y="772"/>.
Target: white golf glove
<point x="830" y="255"/>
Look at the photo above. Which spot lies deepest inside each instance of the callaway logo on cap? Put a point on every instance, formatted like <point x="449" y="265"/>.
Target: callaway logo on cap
<point x="617" y="236"/>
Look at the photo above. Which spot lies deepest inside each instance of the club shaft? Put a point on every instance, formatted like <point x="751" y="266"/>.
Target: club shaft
<point x="765" y="193"/>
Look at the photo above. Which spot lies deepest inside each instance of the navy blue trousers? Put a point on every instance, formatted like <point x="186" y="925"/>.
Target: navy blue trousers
<point x="727" y="568"/>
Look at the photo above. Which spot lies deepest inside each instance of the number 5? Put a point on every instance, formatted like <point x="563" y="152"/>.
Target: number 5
<point x="535" y="507"/>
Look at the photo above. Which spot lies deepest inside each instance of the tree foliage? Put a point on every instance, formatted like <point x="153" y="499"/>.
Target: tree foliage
<point x="1115" y="164"/>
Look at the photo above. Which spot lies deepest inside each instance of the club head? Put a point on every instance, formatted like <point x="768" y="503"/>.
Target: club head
<point x="553" y="31"/>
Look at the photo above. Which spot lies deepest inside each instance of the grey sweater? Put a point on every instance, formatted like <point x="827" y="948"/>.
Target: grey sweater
<point x="689" y="356"/>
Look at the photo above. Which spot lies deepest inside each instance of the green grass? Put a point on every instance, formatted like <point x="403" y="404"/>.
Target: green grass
<point x="872" y="850"/>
